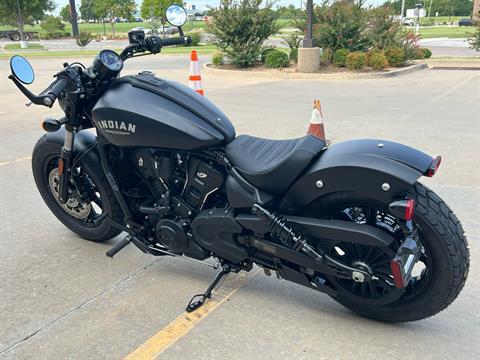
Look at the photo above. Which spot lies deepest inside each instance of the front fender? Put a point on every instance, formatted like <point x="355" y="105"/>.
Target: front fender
<point x="362" y="167"/>
<point x="84" y="143"/>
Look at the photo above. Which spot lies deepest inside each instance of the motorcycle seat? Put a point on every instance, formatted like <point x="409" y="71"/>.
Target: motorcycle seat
<point x="272" y="165"/>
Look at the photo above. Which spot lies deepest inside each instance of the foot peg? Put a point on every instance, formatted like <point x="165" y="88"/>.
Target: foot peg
<point x="118" y="246"/>
<point x="199" y="299"/>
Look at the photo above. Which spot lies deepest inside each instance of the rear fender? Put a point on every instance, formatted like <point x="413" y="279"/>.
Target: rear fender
<point x="376" y="169"/>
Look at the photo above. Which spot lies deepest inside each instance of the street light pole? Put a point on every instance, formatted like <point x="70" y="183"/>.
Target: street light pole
<point x="308" y="39"/>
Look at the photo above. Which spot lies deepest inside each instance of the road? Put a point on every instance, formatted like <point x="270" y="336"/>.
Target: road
<point x="62" y="298"/>
<point x="441" y="47"/>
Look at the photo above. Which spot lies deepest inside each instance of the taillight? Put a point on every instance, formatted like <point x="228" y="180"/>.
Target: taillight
<point x="403" y="209"/>
<point x="409" y="209"/>
<point x="434" y="166"/>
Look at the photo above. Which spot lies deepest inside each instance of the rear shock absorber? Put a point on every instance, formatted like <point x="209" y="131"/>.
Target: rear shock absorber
<point x="277" y="226"/>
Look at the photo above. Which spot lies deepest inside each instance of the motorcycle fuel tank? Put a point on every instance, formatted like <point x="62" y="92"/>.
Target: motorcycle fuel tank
<point x="143" y="110"/>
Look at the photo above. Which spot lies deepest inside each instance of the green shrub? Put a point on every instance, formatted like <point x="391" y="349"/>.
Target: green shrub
<point x="52" y="23"/>
<point x="84" y="38"/>
<point x="327" y="55"/>
<point x="340" y="57"/>
<point x="378" y="60"/>
<point x="240" y="27"/>
<point x="292" y="40"/>
<point x="340" y="25"/>
<point x="427" y="53"/>
<point x="355" y="60"/>
<point x="395" y="56"/>
<point x="217" y="58"/>
<point x="294" y="55"/>
<point x="474" y="39"/>
<point x="265" y="52"/>
<point x="418" y="54"/>
<point x="54" y="34"/>
<point x="195" y="35"/>
<point x="277" y="59"/>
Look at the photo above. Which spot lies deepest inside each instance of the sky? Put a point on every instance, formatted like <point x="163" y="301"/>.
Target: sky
<point x="202" y="4"/>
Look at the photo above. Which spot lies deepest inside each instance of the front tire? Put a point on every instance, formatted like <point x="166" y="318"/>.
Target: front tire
<point x="442" y="237"/>
<point x="75" y="215"/>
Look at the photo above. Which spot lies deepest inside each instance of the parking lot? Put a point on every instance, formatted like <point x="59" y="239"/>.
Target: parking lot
<point x="61" y="298"/>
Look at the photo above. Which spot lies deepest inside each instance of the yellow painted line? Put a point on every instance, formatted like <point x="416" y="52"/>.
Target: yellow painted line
<point x="16" y="161"/>
<point x="167" y="336"/>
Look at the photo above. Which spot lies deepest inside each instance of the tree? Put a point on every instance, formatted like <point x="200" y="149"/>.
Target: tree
<point x="112" y="9"/>
<point x="154" y="11"/>
<point x="458" y="7"/>
<point x="65" y="13"/>
<point x="21" y="12"/>
<point x="87" y="10"/>
<point x="241" y="26"/>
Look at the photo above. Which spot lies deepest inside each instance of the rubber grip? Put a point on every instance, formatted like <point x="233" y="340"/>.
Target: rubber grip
<point x="176" y="41"/>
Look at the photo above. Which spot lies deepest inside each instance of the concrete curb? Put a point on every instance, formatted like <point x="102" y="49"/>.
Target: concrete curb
<point x="454" y="63"/>
<point x="279" y="74"/>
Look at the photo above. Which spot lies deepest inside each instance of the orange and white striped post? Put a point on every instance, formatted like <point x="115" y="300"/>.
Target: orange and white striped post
<point x="316" y="127"/>
<point x="195" y="79"/>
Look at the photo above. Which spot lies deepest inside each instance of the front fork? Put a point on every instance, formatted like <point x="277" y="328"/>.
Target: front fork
<point x="65" y="164"/>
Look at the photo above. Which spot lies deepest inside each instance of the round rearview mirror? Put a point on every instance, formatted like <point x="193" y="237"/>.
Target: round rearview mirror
<point x="176" y="15"/>
<point x="22" y="69"/>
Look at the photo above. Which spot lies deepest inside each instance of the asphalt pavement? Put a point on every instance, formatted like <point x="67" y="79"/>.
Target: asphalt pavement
<point x="440" y="47"/>
<point x="61" y="298"/>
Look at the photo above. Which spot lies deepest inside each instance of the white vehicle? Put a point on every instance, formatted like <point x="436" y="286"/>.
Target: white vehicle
<point x="144" y="29"/>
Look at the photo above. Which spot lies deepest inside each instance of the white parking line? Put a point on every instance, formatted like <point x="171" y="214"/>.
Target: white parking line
<point x="452" y="89"/>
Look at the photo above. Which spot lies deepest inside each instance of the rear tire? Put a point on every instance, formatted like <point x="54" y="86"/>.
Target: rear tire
<point x="443" y="236"/>
<point x="43" y="154"/>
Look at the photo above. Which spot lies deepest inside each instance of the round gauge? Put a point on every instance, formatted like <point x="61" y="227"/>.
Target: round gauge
<point x="107" y="64"/>
<point x="111" y="60"/>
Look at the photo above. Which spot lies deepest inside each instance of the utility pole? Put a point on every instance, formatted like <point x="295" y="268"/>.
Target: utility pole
<point x="73" y="18"/>
<point x="403" y="9"/>
<point x="308" y="39"/>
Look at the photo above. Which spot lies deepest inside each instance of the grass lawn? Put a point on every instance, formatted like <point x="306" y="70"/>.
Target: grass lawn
<point x="123" y="28"/>
<point x="446" y="31"/>
<point x="201" y="49"/>
<point x="31" y="47"/>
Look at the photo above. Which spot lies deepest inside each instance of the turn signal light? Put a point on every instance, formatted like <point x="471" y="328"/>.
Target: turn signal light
<point x="434" y="166"/>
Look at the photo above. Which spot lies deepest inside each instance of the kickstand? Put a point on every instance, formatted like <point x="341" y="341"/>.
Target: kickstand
<point x="199" y="300"/>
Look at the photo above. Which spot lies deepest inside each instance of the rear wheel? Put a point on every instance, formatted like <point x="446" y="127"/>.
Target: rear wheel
<point x="438" y="276"/>
<point x="90" y="199"/>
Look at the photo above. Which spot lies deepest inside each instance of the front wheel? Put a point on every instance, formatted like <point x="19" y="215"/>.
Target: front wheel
<point x="438" y="276"/>
<point x="90" y="199"/>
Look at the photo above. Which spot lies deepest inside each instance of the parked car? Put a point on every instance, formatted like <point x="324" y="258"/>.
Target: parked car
<point x="145" y="30"/>
<point x="138" y="19"/>
<point x="465" y="22"/>
<point x="169" y="30"/>
<point x="408" y="22"/>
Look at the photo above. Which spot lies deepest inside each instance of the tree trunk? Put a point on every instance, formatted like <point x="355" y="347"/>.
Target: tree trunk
<point x="20" y="26"/>
<point x="112" y="22"/>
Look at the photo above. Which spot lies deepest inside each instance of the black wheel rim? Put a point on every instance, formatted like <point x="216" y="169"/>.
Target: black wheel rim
<point x="82" y="192"/>
<point x="376" y="261"/>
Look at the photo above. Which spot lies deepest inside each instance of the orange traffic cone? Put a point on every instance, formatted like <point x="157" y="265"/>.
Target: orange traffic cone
<point x="316" y="127"/>
<point x="195" y="80"/>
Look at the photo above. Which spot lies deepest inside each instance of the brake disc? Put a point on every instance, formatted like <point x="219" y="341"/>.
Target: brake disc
<point x="73" y="207"/>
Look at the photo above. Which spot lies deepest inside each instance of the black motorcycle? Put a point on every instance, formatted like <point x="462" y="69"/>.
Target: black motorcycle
<point x="166" y="168"/>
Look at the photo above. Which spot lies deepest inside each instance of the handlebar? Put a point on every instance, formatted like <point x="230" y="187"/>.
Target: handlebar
<point x="51" y="93"/>
<point x="186" y="40"/>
